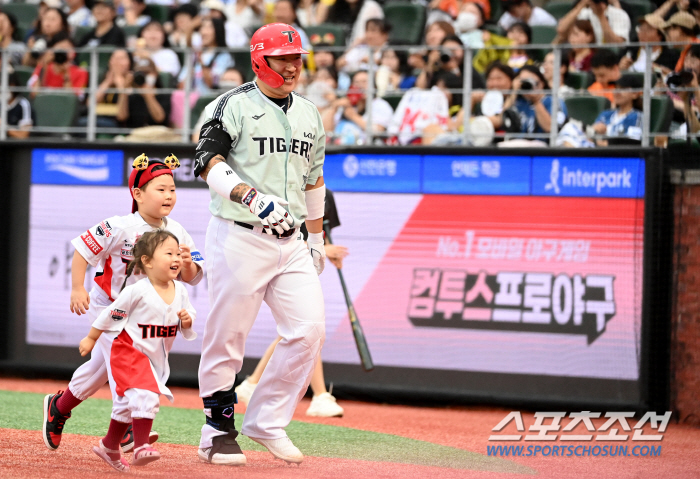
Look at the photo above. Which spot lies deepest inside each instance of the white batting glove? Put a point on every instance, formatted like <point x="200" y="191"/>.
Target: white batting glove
<point x="318" y="251"/>
<point x="269" y="209"/>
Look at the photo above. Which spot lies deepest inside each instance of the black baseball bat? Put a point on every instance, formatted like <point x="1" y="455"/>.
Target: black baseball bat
<point x="362" y="347"/>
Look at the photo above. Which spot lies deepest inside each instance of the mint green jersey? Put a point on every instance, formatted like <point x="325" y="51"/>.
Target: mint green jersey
<point x="277" y="154"/>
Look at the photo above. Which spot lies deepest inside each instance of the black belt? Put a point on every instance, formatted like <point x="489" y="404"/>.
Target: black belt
<point x="286" y="234"/>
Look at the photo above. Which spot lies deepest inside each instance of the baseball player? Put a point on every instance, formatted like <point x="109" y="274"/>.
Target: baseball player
<point x="108" y="246"/>
<point x="141" y="326"/>
<point x="261" y="152"/>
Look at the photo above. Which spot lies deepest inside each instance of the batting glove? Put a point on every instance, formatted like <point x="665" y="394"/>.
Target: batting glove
<point x="269" y="209"/>
<point x="318" y="251"/>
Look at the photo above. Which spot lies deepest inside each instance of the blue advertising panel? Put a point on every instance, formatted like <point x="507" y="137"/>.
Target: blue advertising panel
<point x="77" y="167"/>
<point x="590" y="177"/>
<point x="482" y="175"/>
<point x="382" y="173"/>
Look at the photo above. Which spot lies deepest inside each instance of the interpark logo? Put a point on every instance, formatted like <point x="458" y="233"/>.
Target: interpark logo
<point x="589" y="177"/>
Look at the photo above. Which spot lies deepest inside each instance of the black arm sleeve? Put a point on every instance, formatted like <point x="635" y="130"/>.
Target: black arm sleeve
<point x="213" y="140"/>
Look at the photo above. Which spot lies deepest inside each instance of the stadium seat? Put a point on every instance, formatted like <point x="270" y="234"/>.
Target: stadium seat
<point x="636" y="9"/>
<point x="158" y="12"/>
<point x="242" y="60"/>
<point x="586" y="108"/>
<point x="326" y="33"/>
<point x="494" y="28"/>
<point x="559" y="8"/>
<point x="661" y="114"/>
<point x="55" y="109"/>
<point x="79" y="33"/>
<point x="131" y="31"/>
<point x="83" y="60"/>
<point x="167" y="80"/>
<point x="579" y="80"/>
<point x="543" y="34"/>
<point x="23" y="75"/>
<point x="25" y="13"/>
<point x="496" y="10"/>
<point x="407" y="22"/>
<point x="199" y="107"/>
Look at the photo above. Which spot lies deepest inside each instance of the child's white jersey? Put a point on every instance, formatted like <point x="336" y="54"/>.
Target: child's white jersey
<point x="144" y="328"/>
<point x="108" y="246"/>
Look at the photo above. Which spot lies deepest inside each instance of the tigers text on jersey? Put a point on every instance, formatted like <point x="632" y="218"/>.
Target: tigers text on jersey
<point x="110" y="245"/>
<point x="144" y="327"/>
<point x="275" y="153"/>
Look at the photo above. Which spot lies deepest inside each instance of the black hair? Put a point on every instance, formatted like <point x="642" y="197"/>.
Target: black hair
<point x="535" y="71"/>
<point x="527" y="30"/>
<point x="13" y="81"/>
<point x="64" y="22"/>
<point x="294" y="5"/>
<point x="694" y="50"/>
<point x="128" y="54"/>
<point x="59" y="37"/>
<point x="404" y="68"/>
<point x="187" y="8"/>
<point x="146" y="245"/>
<point x="166" y="41"/>
<point x="13" y="24"/>
<point x="331" y="71"/>
<point x="380" y="23"/>
<point x="502" y="67"/>
<point x="219" y="31"/>
<point x="325" y="47"/>
<point x="604" y="58"/>
<point x="344" y="13"/>
<point x="513" y="3"/>
<point x="452" y="82"/>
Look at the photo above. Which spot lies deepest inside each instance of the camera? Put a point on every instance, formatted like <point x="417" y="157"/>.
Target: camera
<point x="60" y="57"/>
<point x="139" y="78"/>
<point x="679" y="79"/>
<point x="38" y="48"/>
<point x="527" y="84"/>
<point x="445" y="56"/>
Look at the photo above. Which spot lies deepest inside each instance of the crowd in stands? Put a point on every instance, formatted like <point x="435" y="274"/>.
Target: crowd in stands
<point x="381" y="72"/>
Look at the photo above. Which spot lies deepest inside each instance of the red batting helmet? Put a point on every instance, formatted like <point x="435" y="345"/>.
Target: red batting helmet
<point x="269" y="41"/>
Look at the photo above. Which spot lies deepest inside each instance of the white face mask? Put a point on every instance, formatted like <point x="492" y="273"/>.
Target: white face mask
<point x="228" y="85"/>
<point x="151" y="80"/>
<point x="466" y="22"/>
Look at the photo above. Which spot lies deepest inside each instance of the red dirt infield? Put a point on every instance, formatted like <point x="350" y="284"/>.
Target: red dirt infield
<point x="23" y="454"/>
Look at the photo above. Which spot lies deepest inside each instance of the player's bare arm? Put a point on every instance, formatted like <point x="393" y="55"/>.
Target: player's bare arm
<point x="88" y="342"/>
<point x="79" y="297"/>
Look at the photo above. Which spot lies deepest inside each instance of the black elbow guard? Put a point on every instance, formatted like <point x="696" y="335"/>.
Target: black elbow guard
<point x="213" y="140"/>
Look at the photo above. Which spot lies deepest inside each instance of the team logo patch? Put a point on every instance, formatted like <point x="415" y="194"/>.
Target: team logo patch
<point x="118" y="314"/>
<point x="104" y="229"/>
<point x="197" y="256"/>
<point x="91" y="242"/>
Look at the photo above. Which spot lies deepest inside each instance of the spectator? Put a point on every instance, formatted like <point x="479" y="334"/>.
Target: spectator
<point x="321" y="91"/>
<point x="209" y="64"/>
<point x="533" y="109"/>
<point x="307" y="13"/>
<point x="231" y="79"/>
<point x="143" y="107"/>
<point x="437" y="32"/>
<point x="449" y="58"/>
<point x="324" y="57"/>
<point x="606" y="70"/>
<point x="154" y="45"/>
<point x="56" y="68"/>
<point x="235" y="36"/>
<point x="347" y="117"/>
<point x="51" y="23"/>
<point x="78" y="14"/>
<point x="519" y="34"/>
<point x="499" y="78"/>
<point x="468" y="25"/>
<point x="376" y="37"/>
<point x="105" y="31"/>
<point x="624" y="120"/>
<point x="448" y="83"/>
<point x="351" y="14"/>
<point x="186" y="20"/>
<point x="681" y="28"/>
<point x="687" y="101"/>
<point x="418" y="108"/>
<point x="20" y="116"/>
<point x="580" y="36"/>
<point x="285" y="12"/>
<point x="650" y="30"/>
<point x="610" y="24"/>
<point x="119" y="73"/>
<point x="524" y="11"/>
<point x="671" y="7"/>
<point x="248" y="14"/>
<point x="394" y="73"/>
<point x="9" y="38"/>
<point x="442" y="10"/>
<point x="133" y="14"/>
<point x="547" y="68"/>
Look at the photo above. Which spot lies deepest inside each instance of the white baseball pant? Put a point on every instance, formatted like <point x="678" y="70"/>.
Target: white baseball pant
<point x="244" y="268"/>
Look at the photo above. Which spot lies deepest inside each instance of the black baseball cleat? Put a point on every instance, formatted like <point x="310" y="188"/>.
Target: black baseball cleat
<point x="225" y="451"/>
<point x="53" y="421"/>
<point x="127" y="443"/>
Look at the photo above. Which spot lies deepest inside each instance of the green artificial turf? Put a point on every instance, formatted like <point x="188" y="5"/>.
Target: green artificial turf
<point x="20" y="410"/>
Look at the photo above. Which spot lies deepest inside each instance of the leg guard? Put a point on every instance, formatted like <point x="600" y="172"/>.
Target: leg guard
<point x="220" y="405"/>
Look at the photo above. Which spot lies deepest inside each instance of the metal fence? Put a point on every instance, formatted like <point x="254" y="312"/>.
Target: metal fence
<point x="91" y="130"/>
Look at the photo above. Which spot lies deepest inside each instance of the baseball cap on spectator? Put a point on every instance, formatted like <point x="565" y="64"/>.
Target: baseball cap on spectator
<point x="52" y="3"/>
<point x="681" y="19"/>
<point x="654" y="21"/>
<point x="217" y="5"/>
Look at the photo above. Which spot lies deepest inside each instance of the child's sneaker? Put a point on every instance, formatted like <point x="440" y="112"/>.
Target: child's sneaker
<point x="244" y="391"/>
<point x="324" y="405"/>
<point x="144" y="455"/>
<point x="127" y="443"/>
<point x="113" y="458"/>
<point x="53" y="421"/>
